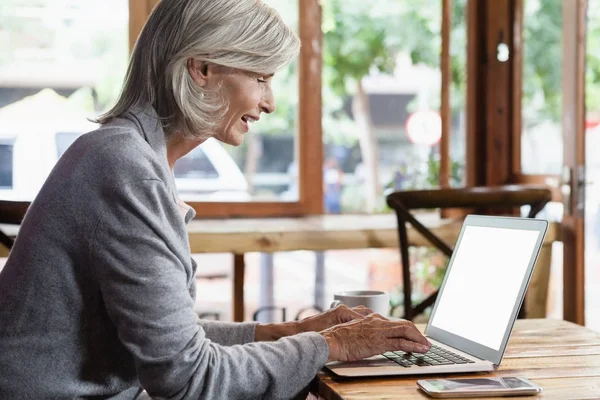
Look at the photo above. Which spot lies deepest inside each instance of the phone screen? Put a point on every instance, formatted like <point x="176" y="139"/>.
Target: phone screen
<point x="479" y="384"/>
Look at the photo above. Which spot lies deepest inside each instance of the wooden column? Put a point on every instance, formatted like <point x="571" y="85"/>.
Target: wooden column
<point x="310" y="142"/>
<point x="475" y="157"/>
<point x="494" y="55"/>
<point x="446" y="109"/>
<point x="139" y="10"/>
<point x="239" y="271"/>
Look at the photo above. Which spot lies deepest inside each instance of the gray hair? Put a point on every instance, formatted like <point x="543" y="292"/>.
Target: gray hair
<point x="240" y="34"/>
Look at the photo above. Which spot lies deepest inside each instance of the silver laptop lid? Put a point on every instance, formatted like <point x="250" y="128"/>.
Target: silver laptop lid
<point x="485" y="283"/>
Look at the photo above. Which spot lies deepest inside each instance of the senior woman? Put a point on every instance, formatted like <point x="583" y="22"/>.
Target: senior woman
<point x="97" y="296"/>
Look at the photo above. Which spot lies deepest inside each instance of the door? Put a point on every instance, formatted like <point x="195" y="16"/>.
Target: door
<point x="592" y="162"/>
<point x="551" y="132"/>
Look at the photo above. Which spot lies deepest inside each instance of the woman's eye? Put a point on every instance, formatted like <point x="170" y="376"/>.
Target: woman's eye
<point x="262" y="79"/>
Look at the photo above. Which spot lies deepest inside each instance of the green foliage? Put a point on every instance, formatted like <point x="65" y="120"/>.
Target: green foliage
<point x="361" y="37"/>
<point x="365" y="37"/>
<point x="592" y="88"/>
<point x="542" y="51"/>
<point x="433" y="172"/>
<point x="355" y="43"/>
<point x="428" y="268"/>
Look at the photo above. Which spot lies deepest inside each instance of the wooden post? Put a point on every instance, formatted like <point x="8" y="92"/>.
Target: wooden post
<point x="310" y="143"/>
<point x="239" y="270"/>
<point x="493" y="76"/>
<point x="139" y="11"/>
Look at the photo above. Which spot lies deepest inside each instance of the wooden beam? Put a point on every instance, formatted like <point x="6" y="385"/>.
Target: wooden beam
<point x="517" y="86"/>
<point x="498" y="87"/>
<point x="493" y="91"/>
<point x="139" y="11"/>
<point x="239" y="272"/>
<point x="310" y="140"/>
<point x="446" y="110"/>
<point x="247" y="209"/>
<point x="475" y="103"/>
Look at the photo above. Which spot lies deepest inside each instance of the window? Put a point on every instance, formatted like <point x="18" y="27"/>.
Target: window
<point x="208" y="173"/>
<point x="6" y="165"/>
<point x="541" y="139"/>
<point x="382" y="115"/>
<point x="281" y="164"/>
<point x="64" y="140"/>
<point x="195" y="165"/>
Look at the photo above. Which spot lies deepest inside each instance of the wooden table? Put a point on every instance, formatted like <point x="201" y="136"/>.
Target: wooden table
<point x="560" y="356"/>
<point x="320" y="233"/>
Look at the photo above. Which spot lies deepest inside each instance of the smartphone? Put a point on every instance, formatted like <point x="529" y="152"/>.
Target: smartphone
<point x="478" y="387"/>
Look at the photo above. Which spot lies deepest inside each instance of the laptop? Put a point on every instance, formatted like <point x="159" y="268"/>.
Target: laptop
<point x="477" y="305"/>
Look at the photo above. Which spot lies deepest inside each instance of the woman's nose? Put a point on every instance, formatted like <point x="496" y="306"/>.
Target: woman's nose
<point x="267" y="104"/>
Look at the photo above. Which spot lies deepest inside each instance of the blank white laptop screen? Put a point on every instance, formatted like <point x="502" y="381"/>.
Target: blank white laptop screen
<point x="484" y="282"/>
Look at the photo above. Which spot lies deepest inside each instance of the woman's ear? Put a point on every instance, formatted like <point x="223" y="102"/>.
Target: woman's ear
<point x="198" y="70"/>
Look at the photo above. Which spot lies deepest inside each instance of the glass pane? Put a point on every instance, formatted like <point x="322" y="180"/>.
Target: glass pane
<point x="381" y="92"/>
<point x="592" y="198"/>
<point x="541" y="139"/>
<point x="64" y="140"/>
<point x="61" y="61"/>
<point x="6" y="163"/>
<point x="263" y="168"/>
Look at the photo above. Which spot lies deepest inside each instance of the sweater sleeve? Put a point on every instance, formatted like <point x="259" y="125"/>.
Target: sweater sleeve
<point x="229" y="333"/>
<point x="141" y="260"/>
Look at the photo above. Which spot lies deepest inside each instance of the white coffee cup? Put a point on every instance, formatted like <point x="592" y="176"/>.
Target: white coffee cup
<point x="376" y="300"/>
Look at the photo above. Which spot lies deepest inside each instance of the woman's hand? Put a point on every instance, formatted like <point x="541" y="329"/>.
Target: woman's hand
<point x="334" y="316"/>
<point x="315" y="323"/>
<point x="373" y="335"/>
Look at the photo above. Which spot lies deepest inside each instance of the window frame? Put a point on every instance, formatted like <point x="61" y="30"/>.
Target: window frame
<point x="309" y="131"/>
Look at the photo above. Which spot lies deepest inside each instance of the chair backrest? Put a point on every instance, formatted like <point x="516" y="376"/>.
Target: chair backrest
<point x="508" y="196"/>
<point x="479" y="199"/>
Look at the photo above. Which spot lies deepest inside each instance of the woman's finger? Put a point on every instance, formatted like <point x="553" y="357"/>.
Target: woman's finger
<point x="405" y="345"/>
<point x="379" y="316"/>
<point x="348" y="314"/>
<point x="407" y="331"/>
<point x="362" y="310"/>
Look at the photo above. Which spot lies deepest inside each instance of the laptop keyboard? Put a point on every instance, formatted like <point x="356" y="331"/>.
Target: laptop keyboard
<point x="435" y="356"/>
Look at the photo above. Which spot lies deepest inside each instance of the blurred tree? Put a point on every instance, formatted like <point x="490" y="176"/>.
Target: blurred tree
<point x="361" y="38"/>
<point x="355" y="43"/>
<point x="592" y="100"/>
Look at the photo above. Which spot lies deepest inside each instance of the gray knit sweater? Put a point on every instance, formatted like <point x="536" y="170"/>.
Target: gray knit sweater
<point x="97" y="296"/>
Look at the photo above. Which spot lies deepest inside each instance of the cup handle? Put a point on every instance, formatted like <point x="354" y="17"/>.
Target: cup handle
<point x="335" y="303"/>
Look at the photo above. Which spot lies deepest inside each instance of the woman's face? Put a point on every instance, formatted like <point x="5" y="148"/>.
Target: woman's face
<point x="247" y="94"/>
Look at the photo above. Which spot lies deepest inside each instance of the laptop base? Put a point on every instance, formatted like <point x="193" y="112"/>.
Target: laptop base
<point x="381" y="366"/>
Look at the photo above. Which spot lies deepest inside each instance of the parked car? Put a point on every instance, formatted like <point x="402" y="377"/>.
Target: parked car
<point x="209" y="173"/>
<point x="29" y="152"/>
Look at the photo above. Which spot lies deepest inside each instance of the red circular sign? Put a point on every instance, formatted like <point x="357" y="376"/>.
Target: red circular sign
<point x="424" y="127"/>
